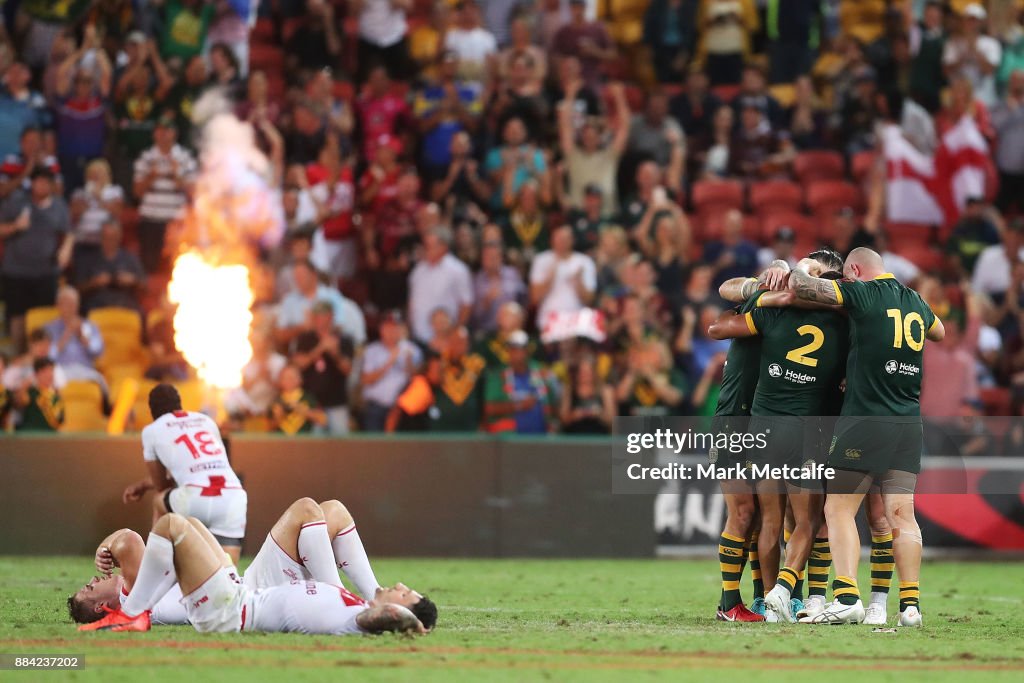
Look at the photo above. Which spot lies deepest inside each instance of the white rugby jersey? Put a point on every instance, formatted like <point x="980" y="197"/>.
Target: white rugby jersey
<point x="189" y="446"/>
<point x="306" y="607"/>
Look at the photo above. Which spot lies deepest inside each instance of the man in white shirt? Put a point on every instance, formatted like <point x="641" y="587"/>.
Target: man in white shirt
<point x="561" y="280"/>
<point x="993" y="271"/>
<point x="439" y="280"/>
<point x="470" y="41"/>
<point x="973" y="55"/>
<point x="382" y="35"/>
<point x="388" y="365"/>
<point x="293" y="315"/>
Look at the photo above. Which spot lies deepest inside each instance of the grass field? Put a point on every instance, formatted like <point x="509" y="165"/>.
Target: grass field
<point x="522" y="620"/>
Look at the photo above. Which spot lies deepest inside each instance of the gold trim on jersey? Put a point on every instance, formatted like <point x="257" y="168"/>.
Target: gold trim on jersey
<point x="750" y="322"/>
<point x="839" y="292"/>
<point x="884" y="276"/>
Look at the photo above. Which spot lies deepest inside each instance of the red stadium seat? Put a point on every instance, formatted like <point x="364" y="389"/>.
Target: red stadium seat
<point x="996" y="400"/>
<point x="802" y="225"/>
<point x="928" y="259"/>
<point x="266" y="58"/>
<point x="775" y="195"/>
<point x="861" y="165"/>
<point x="819" y="165"/>
<point x="903" y="235"/>
<point x="263" y="32"/>
<point x="717" y="194"/>
<point x="826" y="196"/>
<point x="726" y="93"/>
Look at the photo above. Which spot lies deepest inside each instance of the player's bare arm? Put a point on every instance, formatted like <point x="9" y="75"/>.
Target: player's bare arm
<point x="122" y="549"/>
<point x="937" y="332"/>
<point x="809" y="288"/>
<point x="739" y="289"/>
<point x="158" y="480"/>
<point x="389" y="617"/>
<point x="731" y="326"/>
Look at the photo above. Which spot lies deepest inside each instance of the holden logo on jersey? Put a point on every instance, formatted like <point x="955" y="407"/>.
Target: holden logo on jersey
<point x="891" y="367"/>
<point x="775" y="370"/>
<point x="909" y="369"/>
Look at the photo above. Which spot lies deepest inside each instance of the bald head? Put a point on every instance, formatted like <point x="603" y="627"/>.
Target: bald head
<point x="863" y="264"/>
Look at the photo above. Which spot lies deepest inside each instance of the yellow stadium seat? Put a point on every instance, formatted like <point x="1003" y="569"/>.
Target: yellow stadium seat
<point x="256" y="424"/>
<point x="193" y="394"/>
<point x="140" y="410"/>
<point x="121" y="329"/>
<point x="38" y="317"/>
<point x="83" y="407"/>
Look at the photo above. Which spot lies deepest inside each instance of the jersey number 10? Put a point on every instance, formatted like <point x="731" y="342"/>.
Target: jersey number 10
<point x="206" y="444"/>
<point x="903" y="329"/>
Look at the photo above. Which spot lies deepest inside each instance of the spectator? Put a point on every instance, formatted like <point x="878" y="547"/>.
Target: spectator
<point x="648" y="189"/>
<point x="860" y="113"/>
<point x="668" y="248"/>
<point x="293" y="316"/>
<point x="17" y="169"/>
<point x="259" y="380"/>
<point x="586" y="40"/>
<point x="458" y="397"/>
<point x="754" y="91"/>
<point x="186" y="23"/>
<point x="226" y="71"/>
<point x="295" y="411"/>
<point x="994" y="268"/>
<point x="510" y="317"/>
<point x="927" y="45"/>
<point x="589" y="220"/>
<point x="513" y="163"/>
<point x="758" y="151"/>
<point x="324" y="357"/>
<point x="19" y="373"/>
<point x="781" y="249"/>
<point x="631" y="327"/>
<point x="382" y="36"/>
<point x="77" y="342"/>
<point x="499" y="15"/>
<point x="471" y="42"/>
<point x="387" y="366"/>
<point x="567" y="73"/>
<point x="726" y="39"/>
<point x="443" y="109"/>
<point x="806" y="119"/>
<point x="42" y="409"/>
<point x="162" y="181"/>
<point x="381" y="111"/>
<point x="414" y="408"/>
<point x="520" y="398"/>
<point x="524" y="228"/>
<point x="902" y="268"/>
<point x="259" y="105"/>
<point x="591" y="163"/>
<point x="978" y="228"/>
<point x="561" y="280"/>
<point x="20" y="108"/>
<point x="300" y="245"/>
<point x="35" y="227"/>
<point x="973" y="55"/>
<point x="1008" y="121"/>
<point x="713" y="154"/>
<point x="99" y="201"/>
<point x="733" y="255"/>
<point x="670" y="31"/>
<point x="110" y="276"/>
<point x="948" y="376"/>
<point x="847" y="234"/>
<point x="654" y="134"/>
<point x="694" y="108"/>
<point x="426" y="41"/>
<point x="611" y="253"/>
<point x="460" y="183"/>
<point x="521" y="45"/>
<point x="587" y="404"/>
<point x="649" y="385"/>
<point x="81" y="109"/>
<point x="792" y="34"/>
<point x="495" y="286"/>
<point x="332" y="189"/>
<point x="439" y="280"/>
<point x="962" y="103"/>
<point x="315" y="44"/>
<point x="518" y="95"/>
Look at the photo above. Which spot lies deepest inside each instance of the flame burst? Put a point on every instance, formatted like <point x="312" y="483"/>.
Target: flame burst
<point x="211" y="325"/>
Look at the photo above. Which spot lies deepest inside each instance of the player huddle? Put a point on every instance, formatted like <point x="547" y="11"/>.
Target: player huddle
<point x="826" y="360"/>
<point x="184" y="573"/>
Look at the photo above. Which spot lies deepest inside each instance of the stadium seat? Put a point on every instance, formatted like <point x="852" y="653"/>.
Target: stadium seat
<point x="726" y="93"/>
<point x="784" y="94"/>
<point x="121" y="329"/>
<point x="819" y="165"/>
<point x="83" y="407"/>
<point x="824" y="197"/>
<point x="266" y="58"/>
<point x="861" y="165"/>
<point x="713" y="195"/>
<point x="775" y="195"/>
<point x="903" y="235"/>
<point x="193" y="393"/>
<point x="996" y="401"/>
<point x="38" y="317"/>
<point x="928" y="259"/>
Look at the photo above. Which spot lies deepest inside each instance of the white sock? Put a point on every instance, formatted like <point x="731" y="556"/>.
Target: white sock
<point x="156" y="576"/>
<point x="879" y="598"/>
<point x="351" y="558"/>
<point x="316" y="554"/>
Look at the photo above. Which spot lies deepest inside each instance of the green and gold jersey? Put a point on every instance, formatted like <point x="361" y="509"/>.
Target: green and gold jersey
<point x="739" y="379"/>
<point x="803" y="358"/>
<point x="888" y="326"/>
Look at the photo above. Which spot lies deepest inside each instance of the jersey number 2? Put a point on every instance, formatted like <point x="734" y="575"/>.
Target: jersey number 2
<point x="903" y="328"/>
<point x="206" y="444"/>
<point x="801" y="354"/>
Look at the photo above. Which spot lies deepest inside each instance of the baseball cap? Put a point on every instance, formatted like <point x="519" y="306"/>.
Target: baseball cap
<point x="975" y="11"/>
<point x="166" y="120"/>
<point x="785" y="234"/>
<point x="517" y="340"/>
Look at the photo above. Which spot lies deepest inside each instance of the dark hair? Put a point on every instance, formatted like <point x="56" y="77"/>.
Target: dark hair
<point x="80" y="611"/>
<point x="426" y="611"/>
<point x="228" y="53"/>
<point x="163" y="399"/>
<point x="831" y="275"/>
<point x="829" y="258"/>
<point x="39" y="334"/>
<point x="42" y="363"/>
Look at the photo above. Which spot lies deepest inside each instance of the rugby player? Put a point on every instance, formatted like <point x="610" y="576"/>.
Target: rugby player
<point x="802" y="361"/>
<point x="878" y="436"/>
<point x="189" y="471"/>
<point x="180" y="550"/>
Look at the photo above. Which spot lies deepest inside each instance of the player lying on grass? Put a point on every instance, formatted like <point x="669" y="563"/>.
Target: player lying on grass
<point x="181" y="550"/>
<point x="300" y="529"/>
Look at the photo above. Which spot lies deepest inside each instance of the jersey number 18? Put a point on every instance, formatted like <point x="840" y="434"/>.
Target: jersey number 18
<point x="206" y="444"/>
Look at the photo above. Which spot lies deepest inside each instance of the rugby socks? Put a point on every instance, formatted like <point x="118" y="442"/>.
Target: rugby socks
<point x="316" y="554"/>
<point x="755" y="566"/>
<point x="910" y="594"/>
<point x="350" y="556"/>
<point x="882" y="563"/>
<point x="845" y="591"/>
<point x="156" y="576"/>
<point x="798" y="590"/>
<point x="788" y="579"/>
<point x="818" y="566"/>
<point x="730" y="560"/>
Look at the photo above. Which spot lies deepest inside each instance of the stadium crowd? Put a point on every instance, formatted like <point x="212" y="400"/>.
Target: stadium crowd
<point x="502" y="215"/>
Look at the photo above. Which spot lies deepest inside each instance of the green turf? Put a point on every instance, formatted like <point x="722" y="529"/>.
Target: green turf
<point x="520" y="620"/>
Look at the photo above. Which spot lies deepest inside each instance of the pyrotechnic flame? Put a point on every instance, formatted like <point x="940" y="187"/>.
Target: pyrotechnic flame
<point x="211" y="325"/>
<point x="233" y="209"/>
